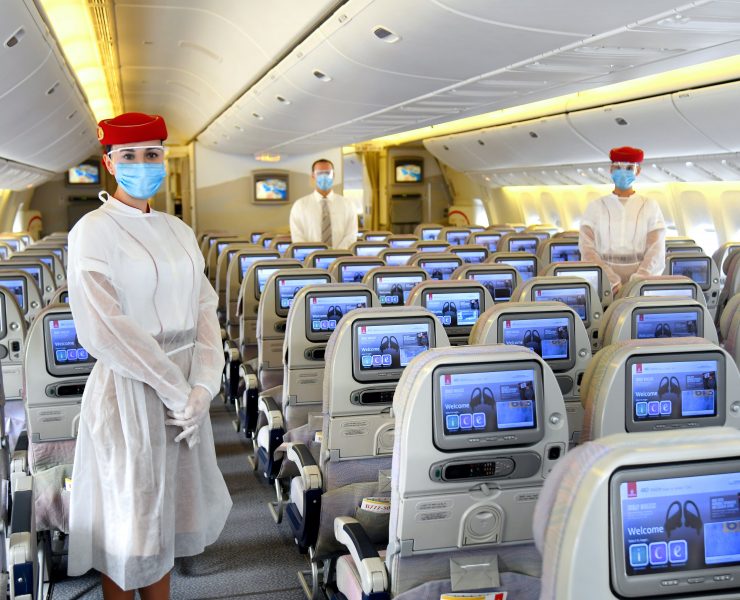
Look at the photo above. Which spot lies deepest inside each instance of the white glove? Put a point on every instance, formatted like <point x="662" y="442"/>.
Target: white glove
<point x="190" y="418"/>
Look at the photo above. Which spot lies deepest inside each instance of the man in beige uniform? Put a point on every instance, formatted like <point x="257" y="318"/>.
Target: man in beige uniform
<point x="624" y="232"/>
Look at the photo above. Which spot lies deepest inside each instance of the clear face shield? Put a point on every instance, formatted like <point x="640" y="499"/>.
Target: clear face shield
<point x="324" y="179"/>
<point x="137" y="154"/>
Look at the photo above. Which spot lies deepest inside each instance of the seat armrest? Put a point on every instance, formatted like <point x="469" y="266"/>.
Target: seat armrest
<point x="274" y="416"/>
<point x="373" y="575"/>
<point x="301" y="456"/>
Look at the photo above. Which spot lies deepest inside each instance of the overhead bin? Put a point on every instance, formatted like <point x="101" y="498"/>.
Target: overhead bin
<point x="653" y="124"/>
<point x="18" y="177"/>
<point x="713" y="110"/>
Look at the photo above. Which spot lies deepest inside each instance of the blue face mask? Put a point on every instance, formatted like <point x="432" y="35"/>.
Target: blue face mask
<point x="140" y="180"/>
<point x="623" y="179"/>
<point x="324" y="181"/>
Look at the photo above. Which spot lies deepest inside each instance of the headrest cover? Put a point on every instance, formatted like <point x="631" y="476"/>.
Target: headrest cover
<point x="626" y="154"/>
<point x="130" y="128"/>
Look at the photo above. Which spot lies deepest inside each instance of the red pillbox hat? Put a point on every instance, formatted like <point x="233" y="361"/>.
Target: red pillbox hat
<point x="626" y="154"/>
<point x="130" y="128"/>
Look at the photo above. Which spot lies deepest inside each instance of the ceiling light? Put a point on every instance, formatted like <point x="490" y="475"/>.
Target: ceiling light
<point x="267" y="157"/>
<point x="95" y="65"/>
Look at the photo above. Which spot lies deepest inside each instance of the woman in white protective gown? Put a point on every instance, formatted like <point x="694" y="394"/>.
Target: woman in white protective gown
<point x="145" y="487"/>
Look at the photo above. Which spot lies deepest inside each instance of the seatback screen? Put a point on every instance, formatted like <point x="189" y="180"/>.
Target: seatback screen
<point x="15" y="245"/>
<point x="651" y="323"/>
<point x="287" y="288"/>
<point x="674" y="390"/>
<point x="696" y="269"/>
<point x="33" y="271"/>
<point x="324" y="262"/>
<point x="247" y="260"/>
<point x="549" y="337"/>
<point x="457" y="310"/>
<point x="439" y="269"/>
<point x="593" y="276"/>
<point x="499" y="285"/>
<point x="266" y="242"/>
<point x="432" y="248"/>
<point x="381" y="352"/>
<point x="457" y="238"/>
<point x="301" y="252"/>
<point x="394" y="290"/>
<point x="17" y="287"/>
<point x="564" y="253"/>
<point x="523" y="245"/>
<point x="430" y="233"/>
<point x="403" y="243"/>
<point x="472" y="256"/>
<point x="397" y="260"/>
<point x="282" y="247"/>
<point x="527" y="267"/>
<point x="59" y="253"/>
<point x="48" y="261"/>
<point x="3" y="252"/>
<point x="65" y="345"/>
<point x="376" y="237"/>
<point x="64" y="297"/>
<point x="355" y="272"/>
<point x="221" y="247"/>
<point x="576" y="297"/>
<point x="369" y="250"/>
<point x="255" y="237"/>
<point x="487" y="402"/>
<point x="675" y="523"/>
<point x="489" y="240"/>
<point x="325" y="312"/>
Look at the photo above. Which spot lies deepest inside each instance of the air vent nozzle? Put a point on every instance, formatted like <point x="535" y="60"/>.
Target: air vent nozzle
<point x="621" y="121"/>
<point x="385" y="35"/>
<point x="15" y="38"/>
<point x="321" y="76"/>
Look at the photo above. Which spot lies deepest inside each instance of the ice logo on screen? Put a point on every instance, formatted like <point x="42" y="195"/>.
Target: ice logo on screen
<point x="631" y="489"/>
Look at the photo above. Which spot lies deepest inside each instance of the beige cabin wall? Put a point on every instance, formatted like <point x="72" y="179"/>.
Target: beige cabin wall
<point x="224" y="190"/>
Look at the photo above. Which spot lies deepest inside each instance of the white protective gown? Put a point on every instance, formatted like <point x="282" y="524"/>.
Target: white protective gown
<point x="305" y="220"/>
<point x="144" y="309"/>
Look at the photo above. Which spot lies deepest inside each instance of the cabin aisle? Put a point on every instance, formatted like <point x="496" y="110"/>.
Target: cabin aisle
<point x="253" y="558"/>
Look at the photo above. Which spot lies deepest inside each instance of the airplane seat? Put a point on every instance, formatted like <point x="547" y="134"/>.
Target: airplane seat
<point x="393" y="285"/>
<point x="701" y="269"/>
<point x="659" y="384"/>
<point x="662" y="285"/>
<point x="647" y="317"/>
<point x="438" y="265"/>
<point x="274" y="305"/>
<point x="455" y="236"/>
<point x="364" y="359"/>
<point x="323" y="259"/>
<point x="573" y="291"/>
<point x="223" y="263"/>
<point x="459" y="521"/>
<point x="519" y="242"/>
<point x="56" y="369"/>
<point x="633" y="516"/>
<point x="61" y="296"/>
<point x="377" y="235"/>
<point x="591" y="272"/>
<point x="552" y="330"/>
<point x="525" y="262"/>
<point x="51" y="260"/>
<point x="721" y="255"/>
<point x="489" y="239"/>
<point x="499" y="280"/>
<point x="352" y="269"/>
<point x="457" y="303"/>
<point x="23" y="286"/>
<point x="726" y="316"/>
<point x="315" y="314"/>
<point x="397" y="257"/>
<point x="402" y="240"/>
<point x="732" y="342"/>
<point x="558" y="250"/>
<point x="38" y="270"/>
<point x="12" y="349"/>
<point x="471" y="253"/>
<point x="732" y="283"/>
<point x="300" y="251"/>
<point x="215" y="248"/>
<point x="428" y="231"/>
<point x="368" y="249"/>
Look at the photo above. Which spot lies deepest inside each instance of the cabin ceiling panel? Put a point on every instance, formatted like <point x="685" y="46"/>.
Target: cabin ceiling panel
<point x="714" y="111"/>
<point x="17" y="177"/>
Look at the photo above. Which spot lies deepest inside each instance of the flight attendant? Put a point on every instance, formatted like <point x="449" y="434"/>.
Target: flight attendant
<point x="323" y="216"/>
<point x="624" y="231"/>
<point x="146" y="487"/>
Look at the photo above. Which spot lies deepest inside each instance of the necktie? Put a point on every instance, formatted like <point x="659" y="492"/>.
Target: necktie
<point x="325" y="223"/>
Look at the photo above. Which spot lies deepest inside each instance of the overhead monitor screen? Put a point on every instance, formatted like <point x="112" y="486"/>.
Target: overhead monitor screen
<point x="301" y="252"/>
<point x="457" y="238"/>
<point x="17" y="287"/>
<point x="355" y="272"/>
<point x="662" y="323"/>
<point x="564" y="253"/>
<point x="271" y="188"/>
<point x="288" y="287"/>
<point x="576" y="297"/>
<point x="685" y="291"/>
<point x="439" y="269"/>
<point x="499" y="285"/>
<point x="677" y="523"/>
<point x="409" y="171"/>
<point x="87" y="173"/>
<point x="526" y="266"/>
<point x="394" y="290"/>
<point x="370" y="250"/>
<point x="593" y="276"/>
<point x="455" y="309"/>
<point x="247" y="260"/>
<point x="696" y="269"/>
<point x="472" y="256"/>
<point x="523" y="245"/>
<point x="382" y="350"/>
<point x="393" y="259"/>
<point x="325" y="312"/>
<point x="402" y="243"/>
<point x="549" y="337"/>
<point x="430" y="233"/>
<point x="490" y="240"/>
